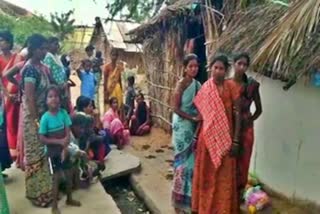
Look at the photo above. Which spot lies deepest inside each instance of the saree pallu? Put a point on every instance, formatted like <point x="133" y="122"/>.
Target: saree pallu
<point x="182" y="140"/>
<point x="215" y="187"/>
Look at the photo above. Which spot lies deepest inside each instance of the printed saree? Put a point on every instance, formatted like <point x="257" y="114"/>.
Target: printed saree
<point x="182" y="138"/>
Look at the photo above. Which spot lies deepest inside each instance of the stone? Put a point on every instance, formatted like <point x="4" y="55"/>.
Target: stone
<point x="119" y="163"/>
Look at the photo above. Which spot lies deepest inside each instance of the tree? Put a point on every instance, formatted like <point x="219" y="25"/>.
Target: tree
<point x="63" y="24"/>
<point x="136" y="10"/>
<point x="24" y="27"/>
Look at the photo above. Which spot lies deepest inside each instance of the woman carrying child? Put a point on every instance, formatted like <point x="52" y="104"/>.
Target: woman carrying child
<point x="54" y="132"/>
<point x="95" y="144"/>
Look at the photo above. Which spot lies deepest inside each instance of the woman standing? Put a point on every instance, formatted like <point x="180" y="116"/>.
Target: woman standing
<point x="214" y="183"/>
<point x="35" y="81"/>
<point x="12" y="105"/>
<point x="112" y="80"/>
<point x="184" y="124"/>
<point x="249" y="90"/>
<point x="59" y="77"/>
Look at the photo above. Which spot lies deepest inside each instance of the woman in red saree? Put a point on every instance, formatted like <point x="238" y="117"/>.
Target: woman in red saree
<point x="214" y="181"/>
<point x="12" y="104"/>
<point x="249" y="90"/>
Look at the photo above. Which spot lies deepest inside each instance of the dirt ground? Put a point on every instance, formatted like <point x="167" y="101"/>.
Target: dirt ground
<point x="156" y="150"/>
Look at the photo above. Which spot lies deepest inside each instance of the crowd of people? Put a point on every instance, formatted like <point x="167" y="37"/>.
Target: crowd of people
<point x="53" y="141"/>
<point x="213" y="136"/>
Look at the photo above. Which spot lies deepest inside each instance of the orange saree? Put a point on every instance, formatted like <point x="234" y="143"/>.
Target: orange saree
<point x="247" y="92"/>
<point x="214" y="180"/>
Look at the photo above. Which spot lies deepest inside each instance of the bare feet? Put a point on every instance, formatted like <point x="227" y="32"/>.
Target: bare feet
<point x="73" y="203"/>
<point x="55" y="211"/>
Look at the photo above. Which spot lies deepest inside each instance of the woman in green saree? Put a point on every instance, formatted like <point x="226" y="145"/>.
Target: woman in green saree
<point x="184" y="125"/>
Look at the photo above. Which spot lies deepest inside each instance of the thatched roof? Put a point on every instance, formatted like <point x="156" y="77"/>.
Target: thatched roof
<point x="180" y="9"/>
<point x="248" y="30"/>
<point x="259" y="32"/>
<point x="13" y="10"/>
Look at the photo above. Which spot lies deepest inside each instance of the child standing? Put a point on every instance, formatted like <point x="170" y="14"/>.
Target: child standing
<point x="130" y="97"/>
<point x="88" y="80"/>
<point x="54" y="132"/>
<point x="97" y="63"/>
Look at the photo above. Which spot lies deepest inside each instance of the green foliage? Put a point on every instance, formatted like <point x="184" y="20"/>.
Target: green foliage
<point x="134" y="10"/>
<point x="24" y="27"/>
<point x="62" y="24"/>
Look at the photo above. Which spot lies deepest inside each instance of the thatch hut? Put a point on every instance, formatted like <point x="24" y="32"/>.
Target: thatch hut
<point x="112" y="35"/>
<point x="165" y="38"/>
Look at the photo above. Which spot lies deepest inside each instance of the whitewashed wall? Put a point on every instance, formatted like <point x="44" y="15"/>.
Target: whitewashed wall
<point x="287" y="145"/>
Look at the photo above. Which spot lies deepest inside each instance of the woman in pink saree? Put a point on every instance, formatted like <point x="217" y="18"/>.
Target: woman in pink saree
<point x="112" y="124"/>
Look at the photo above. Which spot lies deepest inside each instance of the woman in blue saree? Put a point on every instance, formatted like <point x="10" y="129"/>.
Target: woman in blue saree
<point x="184" y="124"/>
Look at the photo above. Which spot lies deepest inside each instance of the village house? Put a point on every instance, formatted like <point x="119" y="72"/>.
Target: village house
<point x="286" y="136"/>
<point x="111" y="35"/>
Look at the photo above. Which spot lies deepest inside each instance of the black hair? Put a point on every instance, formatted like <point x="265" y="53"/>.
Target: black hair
<point x="247" y="57"/>
<point x="112" y="99"/>
<point x="53" y="39"/>
<point x="242" y="55"/>
<point x="82" y="103"/>
<point x="8" y="37"/>
<point x="98" y="54"/>
<point x="131" y="80"/>
<point x="66" y="64"/>
<point x="188" y="58"/>
<point x="52" y="88"/>
<point x="35" y="42"/>
<point x="89" y="48"/>
<point x="221" y="58"/>
<point x="64" y="60"/>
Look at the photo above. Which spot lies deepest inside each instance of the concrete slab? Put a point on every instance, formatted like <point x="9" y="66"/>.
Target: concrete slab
<point x="93" y="199"/>
<point x="120" y="163"/>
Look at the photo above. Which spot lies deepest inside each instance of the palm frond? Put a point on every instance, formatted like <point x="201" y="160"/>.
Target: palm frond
<point x="284" y="43"/>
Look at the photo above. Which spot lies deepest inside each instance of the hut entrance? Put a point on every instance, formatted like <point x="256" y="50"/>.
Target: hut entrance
<point x="196" y="34"/>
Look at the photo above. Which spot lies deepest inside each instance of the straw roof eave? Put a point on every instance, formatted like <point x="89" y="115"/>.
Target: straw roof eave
<point x="283" y="42"/>
<point x="167" y="15"/>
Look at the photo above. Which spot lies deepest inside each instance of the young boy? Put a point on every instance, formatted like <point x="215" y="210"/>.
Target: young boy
<point x="130" y="98"/>
<point x="88" y="80"/>
<point x="54" y="132"/>
<point x="97" y="63"/>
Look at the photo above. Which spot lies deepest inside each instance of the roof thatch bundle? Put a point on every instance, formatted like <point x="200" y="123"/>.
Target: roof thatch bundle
<point x="282" y="41"/>
<point x="168" y="17"/>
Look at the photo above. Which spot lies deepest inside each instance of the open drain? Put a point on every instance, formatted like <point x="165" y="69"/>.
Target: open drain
<point x="122" y="193"/>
